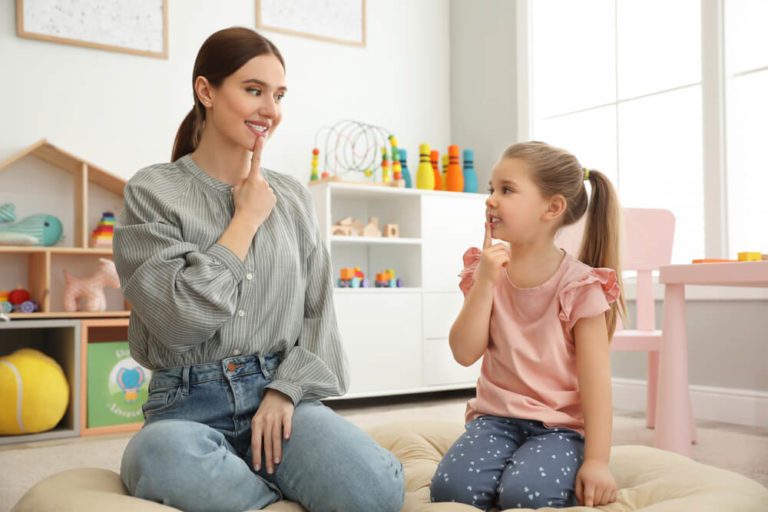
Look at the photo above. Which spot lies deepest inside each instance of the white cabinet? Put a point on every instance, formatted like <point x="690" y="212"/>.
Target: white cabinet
<point x="397" y="339"/>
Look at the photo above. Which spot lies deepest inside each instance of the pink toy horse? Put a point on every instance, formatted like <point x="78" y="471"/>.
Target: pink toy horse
<point x="90" y="290"/>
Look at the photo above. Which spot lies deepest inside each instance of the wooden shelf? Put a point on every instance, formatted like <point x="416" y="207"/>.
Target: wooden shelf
<point x="66" y="314"/>
<point x="29" y="249"/>
<point x="375" y="240"/>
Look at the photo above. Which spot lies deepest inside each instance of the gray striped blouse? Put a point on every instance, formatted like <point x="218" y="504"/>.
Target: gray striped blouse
<point x="193" y="300"/>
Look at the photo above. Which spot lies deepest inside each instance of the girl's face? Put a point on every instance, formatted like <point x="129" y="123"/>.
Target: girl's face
<point x="515" y="207"/>
<point x="248" y="103"/>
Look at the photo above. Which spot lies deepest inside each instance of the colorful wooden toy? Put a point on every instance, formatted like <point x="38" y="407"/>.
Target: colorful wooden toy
<point x="750" y="256"/>
<point x="385" y="171"/>
<point x="352" y="278"/>
<point x="102" y="235"/>
<point x="445" y="172"/>
<point x="434" y="157"/>
<point x="315" y="162"/>
<point x="425" y="175"/>
<point x="404" y="168"/>
<point x="455" y="179"/>
<point x="470" y="175"/>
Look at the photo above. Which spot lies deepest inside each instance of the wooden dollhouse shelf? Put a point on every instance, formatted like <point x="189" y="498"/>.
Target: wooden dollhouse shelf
<point x="67" y="314"/>
<point x="25" y="249"/>
<point x="374" y="240"/>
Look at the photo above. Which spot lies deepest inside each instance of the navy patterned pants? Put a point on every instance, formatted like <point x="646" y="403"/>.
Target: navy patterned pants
<point x="510" y="463"/>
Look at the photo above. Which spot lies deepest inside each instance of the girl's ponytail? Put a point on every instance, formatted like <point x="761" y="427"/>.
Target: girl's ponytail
<point x="600" y="244"/>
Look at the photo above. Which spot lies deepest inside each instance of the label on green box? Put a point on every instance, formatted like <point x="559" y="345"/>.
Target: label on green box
<point x="117" y="385"/>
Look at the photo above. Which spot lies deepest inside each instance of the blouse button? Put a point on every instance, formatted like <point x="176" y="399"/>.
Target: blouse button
<point x="249" y="276"/>
<point x="241" y="313"/>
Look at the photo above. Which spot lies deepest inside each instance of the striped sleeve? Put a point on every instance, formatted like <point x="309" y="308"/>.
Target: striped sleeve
<point x="183" y="293"/>
<point x="316" y="367"/>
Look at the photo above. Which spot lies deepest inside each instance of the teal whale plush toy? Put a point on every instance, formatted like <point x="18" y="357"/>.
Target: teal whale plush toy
<point x="41" y="229"/>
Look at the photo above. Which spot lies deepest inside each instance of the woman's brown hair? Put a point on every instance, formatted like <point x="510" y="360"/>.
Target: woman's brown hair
<point x="556" y="171"/>
<point x="223" y="53"/>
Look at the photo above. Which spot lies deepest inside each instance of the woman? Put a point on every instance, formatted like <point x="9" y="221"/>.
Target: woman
<point x="233" y="312"/>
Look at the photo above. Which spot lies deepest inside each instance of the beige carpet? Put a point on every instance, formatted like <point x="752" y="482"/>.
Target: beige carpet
<point x="740" y="449"/>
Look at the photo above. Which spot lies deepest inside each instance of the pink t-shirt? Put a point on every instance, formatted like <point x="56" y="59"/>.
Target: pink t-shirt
<point x="529" y="367"/>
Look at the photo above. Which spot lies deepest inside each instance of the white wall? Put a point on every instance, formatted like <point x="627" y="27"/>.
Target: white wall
<point x="121" y="111"/>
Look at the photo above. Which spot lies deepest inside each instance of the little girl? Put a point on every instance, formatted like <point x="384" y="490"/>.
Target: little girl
<point x="538" y="432"/>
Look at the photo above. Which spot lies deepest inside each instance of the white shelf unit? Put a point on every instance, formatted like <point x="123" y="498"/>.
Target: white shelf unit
<point x="397" y="338"/>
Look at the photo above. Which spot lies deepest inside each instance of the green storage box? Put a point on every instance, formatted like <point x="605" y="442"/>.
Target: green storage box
<point x="117" y="385"/>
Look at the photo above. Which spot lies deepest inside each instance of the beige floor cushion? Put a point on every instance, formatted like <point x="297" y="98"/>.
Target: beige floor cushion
<point x="650" y="480"/>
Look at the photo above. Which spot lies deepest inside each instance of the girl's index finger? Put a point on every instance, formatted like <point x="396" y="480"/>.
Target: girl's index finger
<point x="488" y="236"/>
<point x="258" y="145"/>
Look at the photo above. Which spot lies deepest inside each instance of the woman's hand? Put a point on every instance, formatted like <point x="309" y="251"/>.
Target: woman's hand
<point x="269" y="425"/>
<point x="493" y="259"/>
<point x="254" y="199"/>
<point x="595" y="484"/>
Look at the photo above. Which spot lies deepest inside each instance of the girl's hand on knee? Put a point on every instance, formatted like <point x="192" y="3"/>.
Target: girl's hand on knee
<point x="493" y="259"/>
<point x="270" y="424"/>
<point x="595" y="484"/>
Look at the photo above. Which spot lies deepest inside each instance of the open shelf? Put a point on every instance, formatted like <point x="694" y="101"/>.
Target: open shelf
<point x="374" y="240"/>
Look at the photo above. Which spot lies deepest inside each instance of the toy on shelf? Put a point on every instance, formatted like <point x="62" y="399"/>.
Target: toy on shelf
<point x="34" y="392"/>
<point x="372" y="228"/>
<point x="425" y="174"/>
<point x="17" y="301"/>
<point x="404" y="167"/>
<point x="397" y="169"/>
<point x="387" y="279"/>
<point x="455" y="179"/>
<point x="434" y="157"/>
<point x="41" y="229"/>
<point x="391" y="230"/>
<point x="351" y="147"/>
<point x="352" y="278"/>
<point x="105" y="229"/>
<point x="89" y="291"/>
<point x="445" y="172"/>
<point x="470" y="175"/>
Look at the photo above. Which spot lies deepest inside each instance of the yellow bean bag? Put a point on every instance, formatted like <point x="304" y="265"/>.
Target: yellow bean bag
<point x="649" y="479"/>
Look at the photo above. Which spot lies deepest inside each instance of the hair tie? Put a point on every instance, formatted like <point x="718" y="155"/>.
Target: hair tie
<point x="586" y="174"/>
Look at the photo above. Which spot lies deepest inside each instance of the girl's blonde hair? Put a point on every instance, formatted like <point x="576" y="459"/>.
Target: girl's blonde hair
<point x="556" y="171"/>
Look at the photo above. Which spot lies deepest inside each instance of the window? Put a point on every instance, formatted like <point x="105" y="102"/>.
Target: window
<point x="620" y="84"/>
<point x="746" y="112"/>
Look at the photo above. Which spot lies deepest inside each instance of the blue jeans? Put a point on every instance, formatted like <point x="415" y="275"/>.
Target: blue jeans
<point x="194" y="451"/>
<point x="510" y="463"/>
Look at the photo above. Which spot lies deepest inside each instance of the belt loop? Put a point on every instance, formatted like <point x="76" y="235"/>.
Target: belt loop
<point x="263" y="364"/>
<point x="185" y="381"/>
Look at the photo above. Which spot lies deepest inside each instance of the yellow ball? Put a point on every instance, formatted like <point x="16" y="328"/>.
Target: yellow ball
<point x="38" y="382"/>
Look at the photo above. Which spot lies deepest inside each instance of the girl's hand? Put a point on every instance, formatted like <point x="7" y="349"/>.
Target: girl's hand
<point x="269" y="425"/>
<point x="595" y="484"/>
<point x="254" y="199"/>
<point x="493" y="259"/>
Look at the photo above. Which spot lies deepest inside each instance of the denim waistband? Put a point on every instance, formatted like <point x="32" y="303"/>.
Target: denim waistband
<point x="230" y="367"/>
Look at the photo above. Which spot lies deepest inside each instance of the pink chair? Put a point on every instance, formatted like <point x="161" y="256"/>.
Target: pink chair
<point x="647" y="244"/>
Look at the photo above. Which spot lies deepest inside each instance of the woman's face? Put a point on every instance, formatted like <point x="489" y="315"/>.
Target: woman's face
<point x="248" y="103"/>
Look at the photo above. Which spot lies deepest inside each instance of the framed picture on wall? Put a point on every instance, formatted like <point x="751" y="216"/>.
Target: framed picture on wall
<point x="339" y="21"/>
<point x="139" y="27"/>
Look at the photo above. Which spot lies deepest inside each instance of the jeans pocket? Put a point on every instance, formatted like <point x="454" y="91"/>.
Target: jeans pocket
<point x="160" y="401"/>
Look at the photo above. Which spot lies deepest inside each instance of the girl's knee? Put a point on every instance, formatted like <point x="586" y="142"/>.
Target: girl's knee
<point x="524" y="496"/>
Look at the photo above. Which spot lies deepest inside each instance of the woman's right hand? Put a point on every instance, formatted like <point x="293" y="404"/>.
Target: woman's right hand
<point x="254" y="199"/>
<point x="493" y="259"/>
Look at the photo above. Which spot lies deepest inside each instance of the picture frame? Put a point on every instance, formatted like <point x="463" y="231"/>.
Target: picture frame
<point x="337" y="21"/>
<point x="138" y="27"/>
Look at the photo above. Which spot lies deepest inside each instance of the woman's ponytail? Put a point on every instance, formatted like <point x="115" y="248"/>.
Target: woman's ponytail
<point x="188" y="134"/>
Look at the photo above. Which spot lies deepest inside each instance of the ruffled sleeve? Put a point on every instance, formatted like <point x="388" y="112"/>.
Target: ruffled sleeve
<point x="588" y="296"/>
<point x="471" y="261"/>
